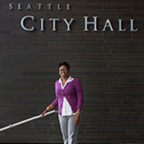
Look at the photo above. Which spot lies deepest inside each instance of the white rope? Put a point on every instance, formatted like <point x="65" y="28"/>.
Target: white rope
<point x="27" y="120"/>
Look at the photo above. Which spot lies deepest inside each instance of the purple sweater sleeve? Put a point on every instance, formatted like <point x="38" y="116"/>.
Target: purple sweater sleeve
<point x="79" y="92"/>
<point x="55" y="102"/>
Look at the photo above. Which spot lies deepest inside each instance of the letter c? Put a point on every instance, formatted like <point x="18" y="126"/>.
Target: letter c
<point x="23" y="23"/>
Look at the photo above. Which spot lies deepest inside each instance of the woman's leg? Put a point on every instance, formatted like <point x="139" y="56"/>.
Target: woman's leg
<point x="63" y="120"/>
<point x="72" y="130"/>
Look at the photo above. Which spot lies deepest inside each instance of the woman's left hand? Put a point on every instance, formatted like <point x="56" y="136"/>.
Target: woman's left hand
<point x="77" y="119"/>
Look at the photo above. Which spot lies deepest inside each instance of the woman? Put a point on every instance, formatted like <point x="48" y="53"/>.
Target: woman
<point x="69" y="99"/>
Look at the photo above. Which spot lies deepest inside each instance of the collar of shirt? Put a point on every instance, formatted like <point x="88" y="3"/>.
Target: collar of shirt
<point x="68" y="81"/>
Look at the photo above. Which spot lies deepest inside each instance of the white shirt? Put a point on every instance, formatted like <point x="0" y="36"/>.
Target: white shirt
<point x="66" y="108"/>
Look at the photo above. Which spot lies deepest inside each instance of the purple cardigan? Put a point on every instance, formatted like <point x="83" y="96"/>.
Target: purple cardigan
<point x="73" y="93"/>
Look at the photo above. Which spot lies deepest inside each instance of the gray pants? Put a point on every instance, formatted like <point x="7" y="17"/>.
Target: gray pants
<point x="68" y="129"/>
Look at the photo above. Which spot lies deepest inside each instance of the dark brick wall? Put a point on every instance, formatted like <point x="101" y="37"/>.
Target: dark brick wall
<point x="109" y="64"/>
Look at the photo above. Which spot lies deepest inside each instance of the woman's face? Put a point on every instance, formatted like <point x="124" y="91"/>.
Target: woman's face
<point x="63" y="71"/>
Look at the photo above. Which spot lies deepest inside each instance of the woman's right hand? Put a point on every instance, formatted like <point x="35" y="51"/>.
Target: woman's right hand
<point x="44" y="112"/>
<point x="49" y="108"/>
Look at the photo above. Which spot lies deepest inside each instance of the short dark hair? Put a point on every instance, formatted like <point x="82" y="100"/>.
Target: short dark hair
<point x="65" y="64"/>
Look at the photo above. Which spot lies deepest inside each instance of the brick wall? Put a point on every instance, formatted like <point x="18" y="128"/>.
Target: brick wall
<point x="109" y="64"/>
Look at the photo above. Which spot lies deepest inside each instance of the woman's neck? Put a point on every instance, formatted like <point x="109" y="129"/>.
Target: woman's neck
<point x="64" y="79"/>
